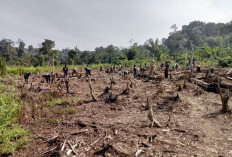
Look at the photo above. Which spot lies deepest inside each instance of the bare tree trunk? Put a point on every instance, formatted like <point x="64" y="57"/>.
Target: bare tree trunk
<point x="52" y="63"/>
<point x="191" y="61"/>
<point x="224" y="98"/>
<point x="91" y="90"/>
<point x="185" y="79"/>
<point x="66" y="85"/>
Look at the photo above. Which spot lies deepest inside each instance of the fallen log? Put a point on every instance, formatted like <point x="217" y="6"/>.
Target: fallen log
<point x="228" y="78"/>
<point x="200" y="83"/>
<point x="211" y="87"/>
<point x="79" y="132"/>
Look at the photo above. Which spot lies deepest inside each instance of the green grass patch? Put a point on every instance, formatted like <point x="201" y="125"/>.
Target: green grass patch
<point x="12" y="136"/>
<point x="52" y="121"/>
<point x="70" y="110"/>
<point x="54" y="101"/>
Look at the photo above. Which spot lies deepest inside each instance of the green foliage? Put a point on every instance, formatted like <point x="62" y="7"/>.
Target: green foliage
<point x="70" y="110"/>
<point x="217" y="56"/>
<point x="52" y="121"/>
<point x="12" y="136"/>
<point x="154" y="48"/>
<point x="200" y="34"/>
<point x="47" y="45"/>
<point x="54" y="101"/>
<point x="21" y="49"/>
<point x="71" y="56"/>
<point x="2" y="66"/>
<point x="16" y="69"/>
<point x="131" y="53"/>
<point x="209" y="40"/>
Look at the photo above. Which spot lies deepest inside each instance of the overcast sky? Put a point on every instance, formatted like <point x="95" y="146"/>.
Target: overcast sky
<point x="91" y="23"/>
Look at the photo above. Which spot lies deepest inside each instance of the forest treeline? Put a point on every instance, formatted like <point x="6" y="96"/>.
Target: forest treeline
<point x="209" y="41"/>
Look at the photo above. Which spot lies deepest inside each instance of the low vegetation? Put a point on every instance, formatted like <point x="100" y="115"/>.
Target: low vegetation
<point x="12" y="136"/>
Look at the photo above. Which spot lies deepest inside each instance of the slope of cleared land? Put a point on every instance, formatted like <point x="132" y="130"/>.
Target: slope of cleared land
<point x="192" y="125"/>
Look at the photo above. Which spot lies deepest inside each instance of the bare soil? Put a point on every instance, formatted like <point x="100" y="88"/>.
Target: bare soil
<point x="192" y="125"/>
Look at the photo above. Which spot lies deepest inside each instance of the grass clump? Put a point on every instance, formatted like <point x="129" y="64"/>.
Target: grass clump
<point x="54" y="101"/>
<point x="70" y="110"/>
<point x="52" y="121"/>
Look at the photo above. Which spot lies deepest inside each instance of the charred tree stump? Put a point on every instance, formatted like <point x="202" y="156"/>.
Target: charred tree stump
<point x="198" y="69"/>
<point x="127" y="90"/>
<point x="150" y="116"/>
<point x="224" y="98"/>
<point x="185" y="79"/>
<point x="67" y="85"/>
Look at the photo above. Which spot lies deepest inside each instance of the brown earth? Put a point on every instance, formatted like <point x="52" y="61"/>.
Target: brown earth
<point x="192" y="125"/>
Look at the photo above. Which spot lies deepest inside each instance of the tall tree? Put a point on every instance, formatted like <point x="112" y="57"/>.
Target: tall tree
<point x="46" y="48"/>
<point x="21" y="48"/>
<point x="47" y="45"/>
<point x="30" y="49"/>
<point x="71" y="56"/>
<point x="153" y="47"/>
<point x="7" y="50"/>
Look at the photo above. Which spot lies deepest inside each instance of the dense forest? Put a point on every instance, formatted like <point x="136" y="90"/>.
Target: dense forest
<point x="211" y="41"/>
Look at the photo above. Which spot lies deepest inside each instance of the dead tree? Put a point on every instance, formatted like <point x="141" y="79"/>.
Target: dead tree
<point x="197" y="89"/>
<point x="59" y="85"/>
<point x="185" y="79"/>
<point x="101" y="69"/>
<point x="179" y="88"/>
<point x="105" y="92"/>
<point x="224" y="98"/>
<point x="132" y="82"/>
<point x="31" y="87"/>
<point x="127" y="90"/>
<point x="191" y="60"/>
<point x="150" y="116"/>
<point x="66" y="81"/>
<point x="111" y="98"/>
<point x="92" y="91"/>
<point x="112" y="81"/>
<point x="198" y="69"/>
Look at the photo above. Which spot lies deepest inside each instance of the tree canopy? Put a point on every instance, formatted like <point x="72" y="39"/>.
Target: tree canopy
<point x="210" y="41"/>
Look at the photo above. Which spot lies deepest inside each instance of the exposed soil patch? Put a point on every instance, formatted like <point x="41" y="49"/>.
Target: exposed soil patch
<point x="192" y="125"/>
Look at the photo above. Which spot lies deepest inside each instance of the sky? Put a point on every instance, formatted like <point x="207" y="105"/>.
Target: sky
<point x="88" y="24"/>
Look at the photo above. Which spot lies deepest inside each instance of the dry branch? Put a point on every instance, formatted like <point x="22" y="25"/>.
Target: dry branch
<point x="79" y="132"/>
<point x="49" y="151"/>
<point x="72" y="147"/>
<point x="63" y="146"/>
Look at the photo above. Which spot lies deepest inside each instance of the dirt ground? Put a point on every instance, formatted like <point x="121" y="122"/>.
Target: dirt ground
<point x="192" y="125"/>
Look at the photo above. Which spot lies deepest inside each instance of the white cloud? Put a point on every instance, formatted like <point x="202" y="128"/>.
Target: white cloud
<point x="88" y="23"/>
